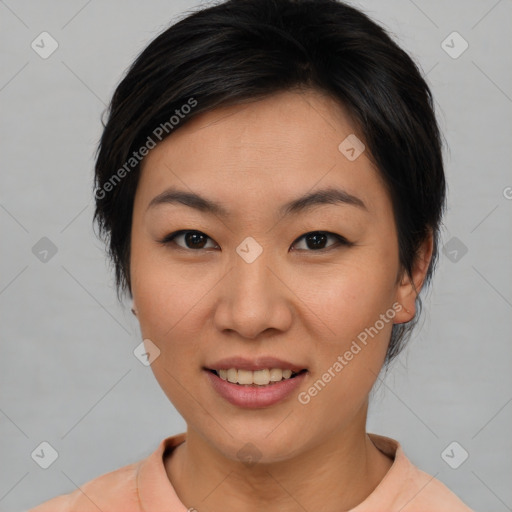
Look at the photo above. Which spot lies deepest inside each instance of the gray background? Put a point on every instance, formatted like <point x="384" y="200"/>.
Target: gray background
<point x="67" y="372"/>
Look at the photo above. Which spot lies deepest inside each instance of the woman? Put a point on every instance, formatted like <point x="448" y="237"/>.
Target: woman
<point x="270" y="185"/>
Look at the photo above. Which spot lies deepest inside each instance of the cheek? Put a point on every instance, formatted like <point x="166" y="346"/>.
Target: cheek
<point x="165" y="297"/>
<point x="349" y="297"/>
<point x="348" y="362"/>
<point x="356" y="310"/>
<point x="168" y="304"/>
<point x="160" y="287"/>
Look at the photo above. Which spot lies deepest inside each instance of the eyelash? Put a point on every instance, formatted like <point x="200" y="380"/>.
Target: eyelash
<point x="341" y="241"/>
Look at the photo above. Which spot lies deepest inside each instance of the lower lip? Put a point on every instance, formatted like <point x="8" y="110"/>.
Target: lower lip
<point x="255" y="397"/>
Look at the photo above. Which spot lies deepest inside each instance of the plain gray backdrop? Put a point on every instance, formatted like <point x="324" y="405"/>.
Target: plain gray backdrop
<point x="68" y="375"/>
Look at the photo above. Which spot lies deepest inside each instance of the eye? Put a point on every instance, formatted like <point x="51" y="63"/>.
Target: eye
<point x="196" y="240"/>
<point x="316" y="240"/>
<point x="190" y="239"/>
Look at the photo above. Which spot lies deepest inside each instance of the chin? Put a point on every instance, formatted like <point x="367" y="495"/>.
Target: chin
<point x="250" y="443"/>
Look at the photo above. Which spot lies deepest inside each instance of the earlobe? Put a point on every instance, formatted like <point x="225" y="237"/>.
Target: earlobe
<point x="133" y="309"/>
<point x="410" y="286"/>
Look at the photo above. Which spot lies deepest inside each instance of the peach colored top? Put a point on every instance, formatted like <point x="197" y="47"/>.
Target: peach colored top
<point x="144" y="487"/>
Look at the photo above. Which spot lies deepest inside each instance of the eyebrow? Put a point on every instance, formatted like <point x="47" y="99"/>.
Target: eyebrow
<point x="304" y="203"/>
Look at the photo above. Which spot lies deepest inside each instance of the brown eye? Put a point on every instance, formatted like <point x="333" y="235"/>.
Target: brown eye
<point x="317" y="241"/>
<point x="188" y="239"/>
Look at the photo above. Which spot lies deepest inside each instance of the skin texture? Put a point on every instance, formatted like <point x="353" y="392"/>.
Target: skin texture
<point x="294" y="302"/>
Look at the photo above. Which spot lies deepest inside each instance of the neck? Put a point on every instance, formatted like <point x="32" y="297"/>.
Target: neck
<point x="337" y="473"/>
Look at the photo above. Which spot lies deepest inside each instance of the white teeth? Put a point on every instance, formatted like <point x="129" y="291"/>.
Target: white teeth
<point x="276" y="374"/>
<point x="261" y="377"/>
<point x="232" y="375"/>
<point x="258" y="377"/>
<point x="245" y="377"/>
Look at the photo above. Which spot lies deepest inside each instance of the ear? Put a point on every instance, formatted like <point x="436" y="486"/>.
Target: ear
<point x="134" y="308"/>
<point x="408" y="289"/>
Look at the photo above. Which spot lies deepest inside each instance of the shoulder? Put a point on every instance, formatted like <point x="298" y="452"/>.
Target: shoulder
<point x="115" y="491"/>
<point x="125" y="489"/>
<point x="429" y="493"/>
<point x="407" y="488"/>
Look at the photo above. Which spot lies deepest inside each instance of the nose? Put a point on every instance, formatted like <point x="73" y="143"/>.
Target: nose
<point x="254" y="298"/>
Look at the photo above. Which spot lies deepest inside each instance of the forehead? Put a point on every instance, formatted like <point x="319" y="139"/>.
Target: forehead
<point x="271" y="150"/>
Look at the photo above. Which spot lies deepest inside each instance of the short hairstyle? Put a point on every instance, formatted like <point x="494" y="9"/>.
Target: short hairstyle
<point x="245" y="50"/>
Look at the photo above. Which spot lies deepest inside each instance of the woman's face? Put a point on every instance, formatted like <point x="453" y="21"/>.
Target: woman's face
<point x="247" y="283"/>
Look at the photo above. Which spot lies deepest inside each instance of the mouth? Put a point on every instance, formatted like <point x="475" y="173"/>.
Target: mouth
<point x="256" y="378"/>
<point x="255" y="388"/>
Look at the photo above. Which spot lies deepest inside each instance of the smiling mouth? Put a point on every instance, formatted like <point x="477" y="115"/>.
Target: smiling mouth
<point x="264" y="377"/>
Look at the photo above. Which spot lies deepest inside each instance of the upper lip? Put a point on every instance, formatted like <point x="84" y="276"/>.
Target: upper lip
<point x="259" y="363"/>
